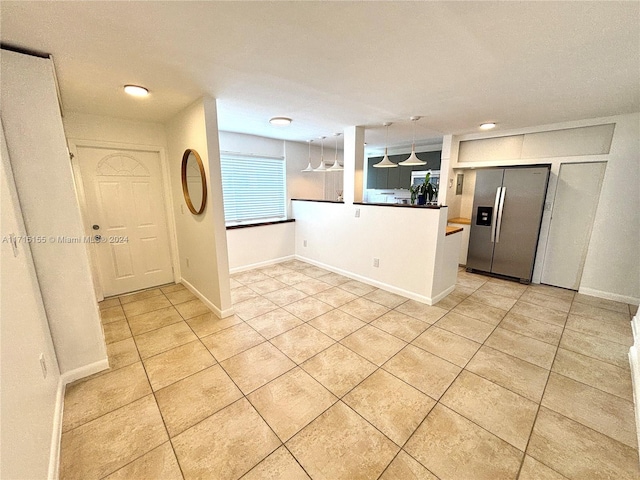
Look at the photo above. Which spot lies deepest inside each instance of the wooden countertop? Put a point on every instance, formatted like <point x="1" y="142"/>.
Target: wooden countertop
<point x="452" y="230"/>
<point x="460" y="220"/>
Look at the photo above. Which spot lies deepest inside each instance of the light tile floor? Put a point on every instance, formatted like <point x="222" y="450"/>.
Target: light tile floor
<point x="324" y="377"/>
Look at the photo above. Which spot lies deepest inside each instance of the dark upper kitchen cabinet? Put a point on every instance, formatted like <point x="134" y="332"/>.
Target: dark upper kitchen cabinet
<point x="393" y="177"/>
<point x="404" y="176"/>
<point x="400" y="177"/>
<point x="381" y="177"/>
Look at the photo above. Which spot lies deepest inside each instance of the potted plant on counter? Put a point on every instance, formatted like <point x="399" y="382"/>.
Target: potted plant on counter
<point x="431" y="193"/>
<point x="421" y="191"/>
<point x="415" y="191"/>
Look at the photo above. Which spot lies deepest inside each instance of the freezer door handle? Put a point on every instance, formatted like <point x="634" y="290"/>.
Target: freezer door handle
<point x="494" y="215"/>
<point x="500" y="211"/>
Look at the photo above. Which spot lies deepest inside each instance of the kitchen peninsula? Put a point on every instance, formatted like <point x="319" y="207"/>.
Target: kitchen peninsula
<point x="405" y="250"/>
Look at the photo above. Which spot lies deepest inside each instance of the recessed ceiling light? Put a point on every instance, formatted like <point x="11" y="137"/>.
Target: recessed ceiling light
<point x="280" y="121"/>
<point x="487" y="126"/>
<point x="136" y="90"/>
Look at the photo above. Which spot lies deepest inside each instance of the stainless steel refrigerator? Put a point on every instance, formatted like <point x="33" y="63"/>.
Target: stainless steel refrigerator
<point x="505" y="225"/>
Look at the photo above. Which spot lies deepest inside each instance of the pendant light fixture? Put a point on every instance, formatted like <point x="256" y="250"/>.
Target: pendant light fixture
<point x="321" y="167"/>
<point x="309" y="167"/>
<point x="336" y="167"/>
<point x="385" y="162"/>
<point x="413" y="160"/>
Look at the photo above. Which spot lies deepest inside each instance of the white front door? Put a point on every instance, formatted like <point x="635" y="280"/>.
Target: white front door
<point x="574" y="209"/>
<point x="125" y="207"/>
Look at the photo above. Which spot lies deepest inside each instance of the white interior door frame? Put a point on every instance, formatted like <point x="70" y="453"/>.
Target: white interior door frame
<point x="73" y="144"/>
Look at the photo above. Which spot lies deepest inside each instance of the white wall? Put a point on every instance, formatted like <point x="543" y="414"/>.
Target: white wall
<point x="202" y="242"/>
<point x="446" y="272"/>
<point x="308" y="185"/>
<point x="253" y="247"/>
<point x="28" y="400"/>
<point x="250" y="144"/>
<point x="409" y="242"/>
<point x="44" y="181"/>
<point x="468" y="189"/>
<point x="612" y="267"/>
<point x="117" y="130"/>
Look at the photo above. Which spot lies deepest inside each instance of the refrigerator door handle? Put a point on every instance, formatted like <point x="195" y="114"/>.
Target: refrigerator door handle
<point x="500" y="211"/>
<point x="494" y="216"/>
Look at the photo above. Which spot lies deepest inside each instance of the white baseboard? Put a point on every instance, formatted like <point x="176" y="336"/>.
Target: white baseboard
<point x="634" y="361"/>
<point x="610" y="296"/>
<point x="56" y="434"/>
<point x="219" y="313"/>
<point x="440" y="296"/>
<point x="375" y="283"/>
<point x="272" y="261"/>
<point x="85" y="371"/>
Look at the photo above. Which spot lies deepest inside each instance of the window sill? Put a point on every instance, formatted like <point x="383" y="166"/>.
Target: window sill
<point x="261" y="224"/>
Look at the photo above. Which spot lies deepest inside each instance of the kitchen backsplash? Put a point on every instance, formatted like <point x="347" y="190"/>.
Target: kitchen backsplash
<point x="373" y="195"/>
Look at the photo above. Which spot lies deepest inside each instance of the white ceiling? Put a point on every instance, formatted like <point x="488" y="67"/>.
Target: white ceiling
<point x="329" y="65"/>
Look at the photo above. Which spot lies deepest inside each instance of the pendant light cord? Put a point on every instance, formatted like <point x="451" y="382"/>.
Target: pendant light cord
<point x="386" y="139"/>
<point x="413" y="142"/>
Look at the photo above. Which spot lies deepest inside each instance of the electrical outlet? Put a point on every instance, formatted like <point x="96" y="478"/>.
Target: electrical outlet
<point x="376" y="262"/>
<point x="304" y="243"/>
<point x="187" y="261"/>
<point x="43" y="365"/>
<point x="357" y="213"/>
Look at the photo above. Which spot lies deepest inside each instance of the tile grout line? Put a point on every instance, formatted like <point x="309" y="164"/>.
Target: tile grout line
<point x="465" y="368"/>
<point x="557" y="347"/>
<point x="156" y="399"/>
<point x="153" y="392"/>
<point x="339" y="398"/>
<point x="199" y="339"/>
<point x="159" y="411"/>
<point x="334" y="342"/>
<point x="535" y="421"/>
<point x="245" y="396"/>
<point x="380" y="368"/>
<point x="164" y="424"/>
<point x="438" y="402"/>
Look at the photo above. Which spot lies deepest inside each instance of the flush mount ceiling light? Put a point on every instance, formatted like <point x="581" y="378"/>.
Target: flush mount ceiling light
<point x="321" y="167"/>
<point x="336" y="167"/>
<point x="487" y="126"/>
<point x="309" y="167"/>
<point x="413" y="160"/>
<point x="385" y="162"/>
<point x="136" y="90"/>
<point x="280" y="121"/>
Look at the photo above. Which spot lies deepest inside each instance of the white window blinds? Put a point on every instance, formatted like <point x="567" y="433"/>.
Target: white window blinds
<point x="253" y="189"/>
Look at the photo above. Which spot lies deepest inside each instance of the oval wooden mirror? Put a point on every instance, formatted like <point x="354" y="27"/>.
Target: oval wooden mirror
<point x="194" y="182"/>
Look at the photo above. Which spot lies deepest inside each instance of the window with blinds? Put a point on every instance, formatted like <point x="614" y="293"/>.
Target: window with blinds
<point x="253" y="189"/>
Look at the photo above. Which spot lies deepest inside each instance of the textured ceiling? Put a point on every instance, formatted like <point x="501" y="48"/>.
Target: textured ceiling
<point x="329" y="65"/>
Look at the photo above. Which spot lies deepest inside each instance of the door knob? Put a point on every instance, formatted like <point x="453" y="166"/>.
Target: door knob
<point x="96" y="227"/>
